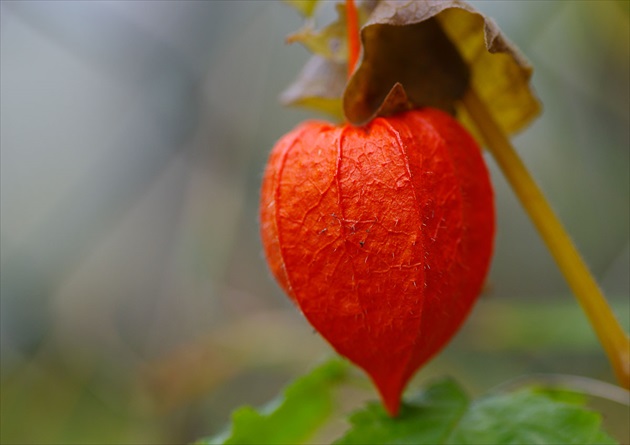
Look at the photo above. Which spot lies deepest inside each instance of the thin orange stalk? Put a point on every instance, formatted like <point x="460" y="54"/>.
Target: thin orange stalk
<point x="354" y="44"/>
<point x="614" y="340"/>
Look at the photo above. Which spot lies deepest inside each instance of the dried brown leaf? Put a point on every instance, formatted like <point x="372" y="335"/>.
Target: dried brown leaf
<point x="403" y="43"/>
<point x="321" y="83"/>
<point x="396" y="101"/>
<point x="319" y="86"/>
<point x="417" y="56"/>
<point x="500" y="74"/>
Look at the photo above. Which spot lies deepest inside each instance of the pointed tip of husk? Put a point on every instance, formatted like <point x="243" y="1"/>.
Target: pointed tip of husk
<point x="390" y="391"/>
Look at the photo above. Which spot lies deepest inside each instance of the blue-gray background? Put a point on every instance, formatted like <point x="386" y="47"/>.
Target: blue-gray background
<point x="136" y="306"/>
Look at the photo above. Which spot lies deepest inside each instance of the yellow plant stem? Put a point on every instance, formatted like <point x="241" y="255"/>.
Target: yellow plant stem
<point x="614" y="340"/>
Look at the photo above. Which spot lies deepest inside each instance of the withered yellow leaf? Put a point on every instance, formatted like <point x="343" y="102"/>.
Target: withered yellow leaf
<point x="330" y="42"/>
<point x="304" y="7"/>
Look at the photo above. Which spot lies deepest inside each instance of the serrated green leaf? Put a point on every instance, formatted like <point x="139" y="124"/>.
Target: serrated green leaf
<point x="305" y="405"/>
<point x="425" y="419"/>
<point x="442" y="414"/>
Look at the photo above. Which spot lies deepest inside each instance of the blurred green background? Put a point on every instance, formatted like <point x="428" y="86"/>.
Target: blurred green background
<point x="136" y="306"/>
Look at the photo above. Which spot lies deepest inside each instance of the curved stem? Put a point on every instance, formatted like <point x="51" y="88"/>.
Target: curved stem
<point x="614" y="340"/>
<point x="354" y="44"/>
<point x="578" y="384"/>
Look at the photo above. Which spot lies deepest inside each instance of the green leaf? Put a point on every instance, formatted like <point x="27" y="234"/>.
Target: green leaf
<point x="528" y="417"/>
<point x="425" y="419"/>
<point x="442" y="414"/>
<point x="306" y="404"/>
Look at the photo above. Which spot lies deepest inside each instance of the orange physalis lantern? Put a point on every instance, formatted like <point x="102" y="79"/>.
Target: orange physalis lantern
<point x="381" y="235"/>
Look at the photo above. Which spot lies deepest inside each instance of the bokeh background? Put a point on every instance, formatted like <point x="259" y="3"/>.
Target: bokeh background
<point x="136" y="306"/>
